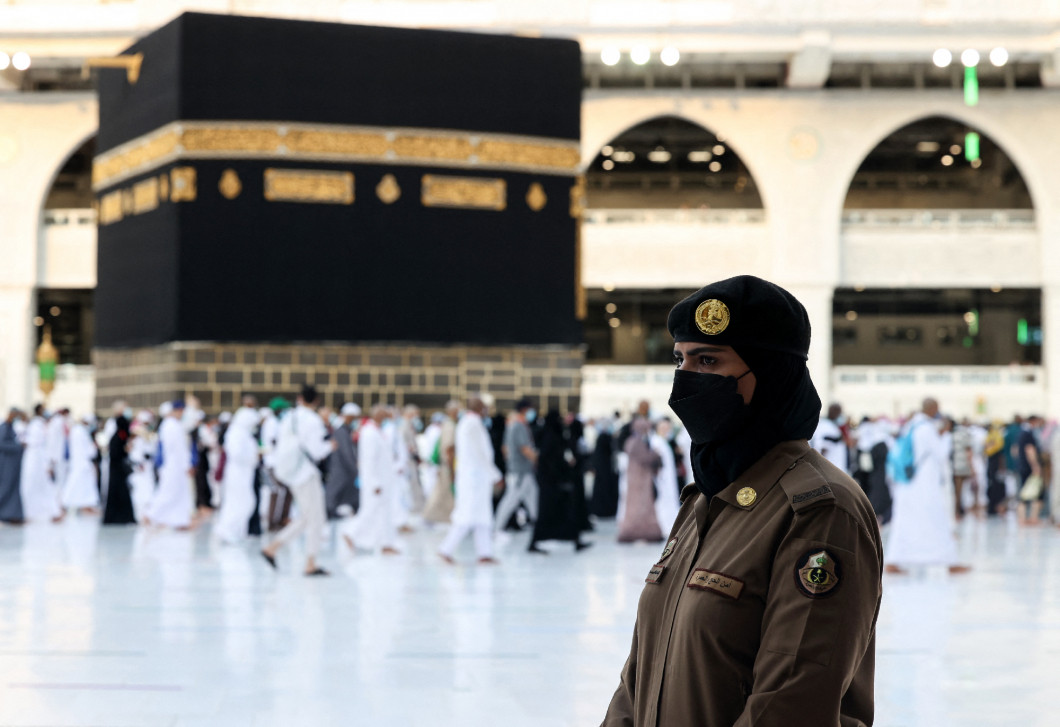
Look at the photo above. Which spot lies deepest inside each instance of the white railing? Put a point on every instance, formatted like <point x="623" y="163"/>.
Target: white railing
<point x="81" y="217"/>
<point x="940" y="219"/>
<point x="978" y="392"/>
<point x="676" y="216"/>
<point x="940" y="376"/>
<point x="974" y="391"/>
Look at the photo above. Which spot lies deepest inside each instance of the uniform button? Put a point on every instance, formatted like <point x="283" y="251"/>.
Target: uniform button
<point x="746" y="496"/>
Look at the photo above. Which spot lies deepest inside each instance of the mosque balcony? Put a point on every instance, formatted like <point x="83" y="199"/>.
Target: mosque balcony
<point x="940" y="248"/>
<point x="67" y="250"/>
<point x="668" y="248"/>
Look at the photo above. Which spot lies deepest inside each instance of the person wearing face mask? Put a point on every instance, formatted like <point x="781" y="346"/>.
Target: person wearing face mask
<point x="762" y="607"/>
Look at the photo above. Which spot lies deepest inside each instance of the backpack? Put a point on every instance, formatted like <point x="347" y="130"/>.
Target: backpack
<point x="901" y="462"/>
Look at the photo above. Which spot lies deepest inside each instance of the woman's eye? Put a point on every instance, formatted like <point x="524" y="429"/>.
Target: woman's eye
<point x="678" y="360"/>
<point x="707" y="361"/>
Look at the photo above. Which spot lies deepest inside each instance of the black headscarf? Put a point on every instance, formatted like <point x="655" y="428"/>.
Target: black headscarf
<point x="785" y="406"/>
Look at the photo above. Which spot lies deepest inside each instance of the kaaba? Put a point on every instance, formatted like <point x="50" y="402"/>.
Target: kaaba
<point x="391" y="214"/>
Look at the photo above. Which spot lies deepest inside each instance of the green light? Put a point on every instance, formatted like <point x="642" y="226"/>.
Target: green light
<point x="973" y="322"/>
<point x="1022" y="332"/>
<point x="971" y="86"/>
<point x="971" y="146"/>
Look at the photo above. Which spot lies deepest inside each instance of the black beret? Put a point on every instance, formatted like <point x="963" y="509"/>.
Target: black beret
<point x="743" y="311"/>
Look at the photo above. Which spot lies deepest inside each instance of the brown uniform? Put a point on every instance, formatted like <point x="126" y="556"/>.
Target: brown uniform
<point x="762" y="608"/>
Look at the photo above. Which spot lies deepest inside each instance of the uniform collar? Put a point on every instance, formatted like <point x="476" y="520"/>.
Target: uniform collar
<point x="762" y="477"/>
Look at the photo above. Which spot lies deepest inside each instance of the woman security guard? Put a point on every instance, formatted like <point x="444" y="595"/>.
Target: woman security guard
<point x="761" y="610"/>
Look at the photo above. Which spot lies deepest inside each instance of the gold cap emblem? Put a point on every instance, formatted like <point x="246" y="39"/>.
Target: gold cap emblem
<point x="746" y="496"/>
<point x="712" y="317"/>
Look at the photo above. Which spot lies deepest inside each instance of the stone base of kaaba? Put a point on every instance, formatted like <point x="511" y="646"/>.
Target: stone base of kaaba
<point x="219" y="374"/>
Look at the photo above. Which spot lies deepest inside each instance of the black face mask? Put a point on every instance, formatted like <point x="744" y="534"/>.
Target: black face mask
<point x="709" y="405"/>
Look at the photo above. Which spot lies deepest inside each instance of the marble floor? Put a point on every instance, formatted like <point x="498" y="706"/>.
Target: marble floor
<point x="127" y="626"/>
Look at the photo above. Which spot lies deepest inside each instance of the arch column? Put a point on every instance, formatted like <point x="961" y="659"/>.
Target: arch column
<point x="37" y="134"/>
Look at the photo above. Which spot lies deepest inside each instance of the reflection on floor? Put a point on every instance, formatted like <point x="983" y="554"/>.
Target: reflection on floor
<point x="128" y="626"/>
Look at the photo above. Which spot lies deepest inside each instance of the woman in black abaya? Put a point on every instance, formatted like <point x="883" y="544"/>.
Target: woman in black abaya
<point x="119" y="508"/>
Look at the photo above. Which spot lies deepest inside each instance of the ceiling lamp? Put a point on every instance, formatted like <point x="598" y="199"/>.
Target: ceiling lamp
<point x="640" y="54"/>
<point x="659" y="155"/>
<point x="970" y="58"/>
<point x="610" y="56"/>
<point x="670" y="56"/>
<point x="942" y="58"/>
<point x="999" y="56"/>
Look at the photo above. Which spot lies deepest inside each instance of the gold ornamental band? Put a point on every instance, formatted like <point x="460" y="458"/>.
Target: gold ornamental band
<point x="464" y="192"/>
<point x="273" y="140"/>
<point x="308" y="185"/>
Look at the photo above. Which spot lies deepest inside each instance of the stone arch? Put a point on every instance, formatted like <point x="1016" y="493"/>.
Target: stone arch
<point x="994" y="138"/>
<point x="677" y="161"/>
<point x="57" y="166"/>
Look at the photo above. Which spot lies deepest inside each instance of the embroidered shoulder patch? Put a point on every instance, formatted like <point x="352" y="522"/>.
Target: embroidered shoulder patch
<point x="804" y="496"/>
<point x="817" y="574"/>
<point x="668" y="549"/>
<point x="707" y="580"/>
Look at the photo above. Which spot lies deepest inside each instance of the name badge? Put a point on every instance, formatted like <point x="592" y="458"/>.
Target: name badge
<point x="707" y="580"/>
<point x="655" y="574"/>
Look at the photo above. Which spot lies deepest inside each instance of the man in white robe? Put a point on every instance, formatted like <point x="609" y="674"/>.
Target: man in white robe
<point x="40" y="497"/>
<point x="81" y="489"/>
<point x="173" y="503"/>
<point x="374" y="525"/>
<point x="56" y="442"/>
<point x="829" y="439"/>
<point x="303" y="431"/>
<point x="667" y="496"/>
<point x="922" y="524"/>
<point x="476" y="476"/>
<point x="241" y="464"/>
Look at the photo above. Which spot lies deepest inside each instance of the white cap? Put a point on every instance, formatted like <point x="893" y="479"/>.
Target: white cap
<point x="350" y="409"/>
<point x="165" y="409"/>
<point x="224" y="417"/>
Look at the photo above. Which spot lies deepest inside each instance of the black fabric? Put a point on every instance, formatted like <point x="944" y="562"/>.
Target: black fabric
<point x="254" y="524"/>
<point x="195" y="271"/>
<point x="761" y="314"/>
<point x="557" y="518"/>
<point x="203" y="494"/>
<point x="879" y="493"/>
<point x="119" y="507"/>
<point x="367" y="271"/>
<point x="224" y="67"/>
<point x="710" y="406"/>
<point x="604" y="502"/>
<point x="575" y="432"/>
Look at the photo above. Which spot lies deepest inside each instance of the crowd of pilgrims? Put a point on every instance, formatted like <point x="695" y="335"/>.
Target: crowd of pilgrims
<point x="486" y="474"/>
<point x="984" y="468"/>
<point x="384" y="471"/>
